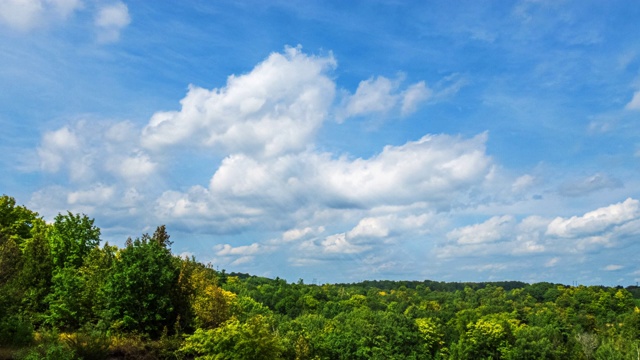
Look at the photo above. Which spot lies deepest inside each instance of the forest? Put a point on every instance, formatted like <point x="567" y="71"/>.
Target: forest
<point x="66" y="295"/>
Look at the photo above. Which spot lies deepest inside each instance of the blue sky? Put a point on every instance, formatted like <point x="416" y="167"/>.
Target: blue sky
<point x="336" y="141"/>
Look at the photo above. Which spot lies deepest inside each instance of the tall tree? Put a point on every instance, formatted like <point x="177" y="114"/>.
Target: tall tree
<point x="72" y="237"/>
<point x="37" y="269"/>
<point x="140" y="287"/>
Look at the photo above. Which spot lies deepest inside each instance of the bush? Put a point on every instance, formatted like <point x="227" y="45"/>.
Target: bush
<point x="15" y="331"/>
<point x="49" y="348"/>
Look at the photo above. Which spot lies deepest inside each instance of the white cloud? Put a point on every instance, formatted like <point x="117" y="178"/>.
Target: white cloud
<point x="613" y="267"/>
<point x="240" y="255"/>
<point x="391" y="225"/>
<point x="297" y="234"/>
<point x="273" y="110"/>
<point x="434" y="170"/>
<point x="370" y="227"/>
<point x="595" y="222"/>
<point x="372" y="95"/>
<point x="492" y="230"/>
<point x="414" y="95"/>
<point x="97" y="195"/>
<point x="136" y="167"/>
<point x="111" y="20"/>
<point x="55" y="147"/>
<point x="88" y="151"/>
<point x="25" y="15"/>
<point x="430" y="169"/>
<point x="634" y="104"/>
<point x="606" y="227"/>
<point x="333" y="244"/>
<point x="226" y="250"/>
<point x="381" y="95"/>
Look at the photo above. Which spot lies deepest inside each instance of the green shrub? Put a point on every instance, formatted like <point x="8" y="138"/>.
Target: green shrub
<point x="49" y="348"/>
<point x="15" y="331"/>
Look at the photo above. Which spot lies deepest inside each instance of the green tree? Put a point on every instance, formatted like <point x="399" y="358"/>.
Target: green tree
<point x="487" y="338"/>
<point x="37" y="270"/>
<point x="211" y="304"/>
<point x="72" y="237"/>
<point x="66" y="311"/>
<point x="140" y="286"/>
<point x="252" y="340"/>
<point x="431" y="335"/>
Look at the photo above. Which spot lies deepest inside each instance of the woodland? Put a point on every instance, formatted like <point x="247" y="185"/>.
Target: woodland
<point x="66" y="295"/>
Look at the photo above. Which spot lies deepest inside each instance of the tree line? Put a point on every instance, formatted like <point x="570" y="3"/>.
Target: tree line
<point x="64" y="295"/>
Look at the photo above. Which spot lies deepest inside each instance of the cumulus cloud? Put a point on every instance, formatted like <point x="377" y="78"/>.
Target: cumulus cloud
<point x="297" y="234"/>
<point x="333" y="244"/>
<point x="96" y="195"/>
<point x="25" y="15"/>
<point x="606" y="227"/>
<point x="595" y="222"/>
<point x="433" y="170"/>
<point x="56" y="146"/>
<point x="273" y="110"/>
<point x="492" y="230"/>
<point x="372" y="95"/>
<point x="430" y="169"/>
<point x="239" y="255"/>
<point x="88" y="151"/>
<point x="226" y="250"/>
<point x="370" y="227"/>
<point x="389" y="225"/>
<point x="367" y="240"/>
<point x="99" y="169"/>
<point x="381" y="95"/>
<point x="110" y="20"/>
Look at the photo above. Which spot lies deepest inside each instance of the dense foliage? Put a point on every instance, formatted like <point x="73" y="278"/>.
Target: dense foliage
<point x="63" y="296"/>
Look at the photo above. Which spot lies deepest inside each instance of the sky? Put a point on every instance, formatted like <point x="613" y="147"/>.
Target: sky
<point x="336" y="141"/>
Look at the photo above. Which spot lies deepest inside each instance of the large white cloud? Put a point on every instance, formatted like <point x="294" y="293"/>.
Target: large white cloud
<point x="434" y="170"/>
<point x="431" y="169"/>
<point x="595" y="222"/>
<point x="274" y="109"/>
